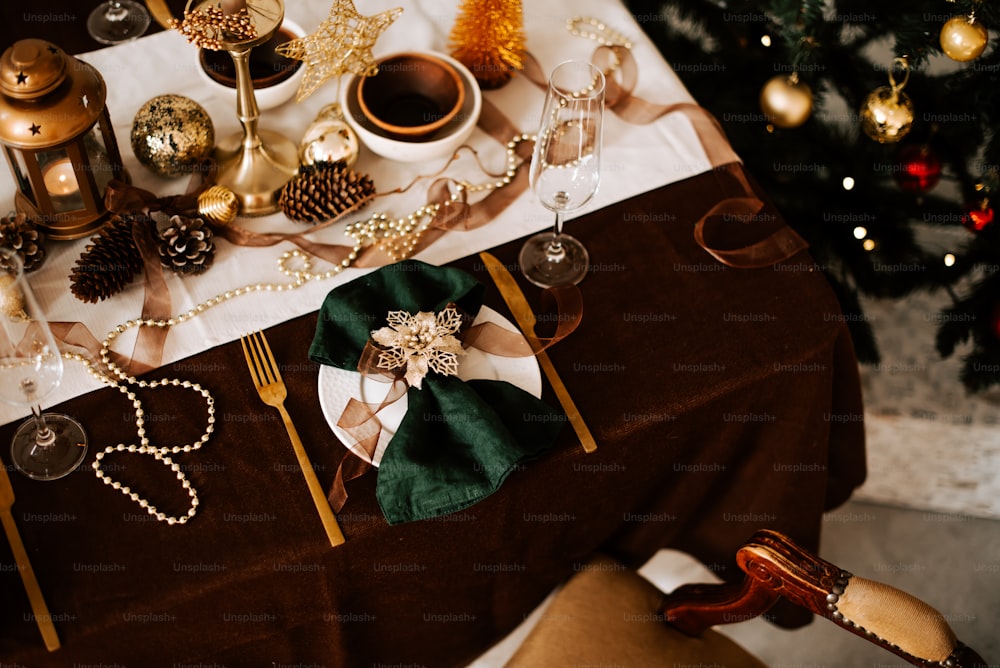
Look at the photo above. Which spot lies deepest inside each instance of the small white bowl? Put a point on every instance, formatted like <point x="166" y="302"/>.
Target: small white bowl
<point x="438" y="144"/>
<point x="268" y="97"/>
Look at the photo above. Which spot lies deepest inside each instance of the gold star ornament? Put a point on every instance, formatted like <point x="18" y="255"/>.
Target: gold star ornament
<point x="342" y="43"/>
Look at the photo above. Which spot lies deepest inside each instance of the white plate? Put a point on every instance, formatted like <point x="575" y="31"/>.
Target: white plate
<point x="338" y="386"/>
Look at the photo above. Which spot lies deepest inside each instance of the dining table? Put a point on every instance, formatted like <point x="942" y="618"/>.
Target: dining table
<point x="724" y="397"/>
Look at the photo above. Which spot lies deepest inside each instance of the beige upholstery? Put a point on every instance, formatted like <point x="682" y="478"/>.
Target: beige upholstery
<point x="606" y="615"/>
<point x="903" y="620"/>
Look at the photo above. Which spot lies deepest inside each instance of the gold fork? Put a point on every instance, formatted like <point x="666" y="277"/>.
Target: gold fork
<point x="271" y="388"/>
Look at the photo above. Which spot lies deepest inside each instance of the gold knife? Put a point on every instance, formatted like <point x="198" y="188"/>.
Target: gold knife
<point x="38" y="607"/>
<point x="525" y="317"/>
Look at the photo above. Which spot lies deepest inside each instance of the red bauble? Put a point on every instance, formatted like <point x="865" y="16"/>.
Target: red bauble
<point x="918" y="169"/>
<point x="978" y="217"/>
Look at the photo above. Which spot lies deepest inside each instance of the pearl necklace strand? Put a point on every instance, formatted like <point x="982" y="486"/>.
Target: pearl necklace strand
<point x="598" y="31"/>
<point x="397" y="237"/>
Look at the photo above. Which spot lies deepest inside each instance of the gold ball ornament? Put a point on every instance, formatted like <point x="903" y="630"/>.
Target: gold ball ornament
<point x="887" y="115"/>
<point x="329" y="139"/>
<point x="171" y="134"/>
<point x="786" y="101"/>
<point x="11" y="299"/>
<point x="963" y="39"/>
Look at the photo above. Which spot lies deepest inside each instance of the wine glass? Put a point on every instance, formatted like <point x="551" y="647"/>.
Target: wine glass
<point x="565" y="170"/>
<point x="117" y="21"/>
<point x="46" y="446"/>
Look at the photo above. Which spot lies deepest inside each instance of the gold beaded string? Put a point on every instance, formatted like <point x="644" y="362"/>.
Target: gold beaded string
<point x="598" y="31"/>
<point x="397" y="237"/>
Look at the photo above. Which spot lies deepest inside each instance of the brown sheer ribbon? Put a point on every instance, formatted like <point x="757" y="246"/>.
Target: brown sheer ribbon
<point x="777" y="246"/>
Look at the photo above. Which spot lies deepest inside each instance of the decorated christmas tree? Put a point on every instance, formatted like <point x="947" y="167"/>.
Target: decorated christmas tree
<point x="872" y="126"/>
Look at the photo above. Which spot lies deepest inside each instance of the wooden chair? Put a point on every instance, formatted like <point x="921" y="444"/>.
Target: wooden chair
<point x="609" y="615"/>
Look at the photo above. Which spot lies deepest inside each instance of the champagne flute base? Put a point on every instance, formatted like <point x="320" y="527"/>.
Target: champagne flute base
<point x="116" y="23"/>
<point x="52" y="461"/>
<point x="547" y="269"/>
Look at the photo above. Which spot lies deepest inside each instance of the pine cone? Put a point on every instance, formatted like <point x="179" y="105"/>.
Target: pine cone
<point x="324" y="191"/>
<point x="19" y="234"/>
<point x="109" y="262"/>
<point x="186" y="245"/>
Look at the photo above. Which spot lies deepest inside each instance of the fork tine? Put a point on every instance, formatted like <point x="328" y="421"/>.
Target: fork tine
<point x="268" y="357"/>
<point x="251" y="363"/>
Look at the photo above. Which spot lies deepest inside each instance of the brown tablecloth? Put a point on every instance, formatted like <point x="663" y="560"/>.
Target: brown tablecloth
<point x="722" y="400"/>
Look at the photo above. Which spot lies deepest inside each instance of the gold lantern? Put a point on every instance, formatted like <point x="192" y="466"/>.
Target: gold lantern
<point x="57" y="135"/>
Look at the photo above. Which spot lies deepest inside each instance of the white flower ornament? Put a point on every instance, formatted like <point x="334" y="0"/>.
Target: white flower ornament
<point x="422" y="342"/>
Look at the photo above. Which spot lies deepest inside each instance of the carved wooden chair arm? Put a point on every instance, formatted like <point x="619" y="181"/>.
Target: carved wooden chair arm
<point x="776" y="567"/>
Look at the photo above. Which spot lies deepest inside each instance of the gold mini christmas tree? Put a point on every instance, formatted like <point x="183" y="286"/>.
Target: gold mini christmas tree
<point x="488" y="38"/>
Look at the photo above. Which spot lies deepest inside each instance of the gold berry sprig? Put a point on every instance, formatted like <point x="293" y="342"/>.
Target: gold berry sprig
<point x="209" y="27"/>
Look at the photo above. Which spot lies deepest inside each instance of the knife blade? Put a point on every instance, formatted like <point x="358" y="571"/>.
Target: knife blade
<point x="525" y="317"/>
<point x="38" y="607"/>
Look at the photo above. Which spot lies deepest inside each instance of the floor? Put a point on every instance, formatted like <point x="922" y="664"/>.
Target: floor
<point x="950" y="561"/>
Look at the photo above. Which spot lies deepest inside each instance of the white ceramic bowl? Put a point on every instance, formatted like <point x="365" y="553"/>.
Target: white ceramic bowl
<point x="267" y="97"/>
<point x="438" y="144"/>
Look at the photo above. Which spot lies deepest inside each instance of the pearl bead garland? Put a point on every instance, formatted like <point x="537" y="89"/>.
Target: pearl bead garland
<point x="600" y="32"/>
<point x="591" y="28"/>
<point x="397" y="237"/>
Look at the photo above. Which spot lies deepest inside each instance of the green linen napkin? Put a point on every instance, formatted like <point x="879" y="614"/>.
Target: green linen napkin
<point x="459" y="440"/>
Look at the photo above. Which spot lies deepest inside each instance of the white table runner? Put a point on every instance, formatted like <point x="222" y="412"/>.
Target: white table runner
<point x="636" y="159"/>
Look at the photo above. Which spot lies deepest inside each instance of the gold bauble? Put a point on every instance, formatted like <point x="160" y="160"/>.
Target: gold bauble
<point x="887" y="115"/>
<point x="786" y="101"/>
<point x="11" y="299"/>
<point x="963" y="39"/>
<point x="218" y="204"/>
<point x="171" y="134"/>
<point x="329" y="139"/>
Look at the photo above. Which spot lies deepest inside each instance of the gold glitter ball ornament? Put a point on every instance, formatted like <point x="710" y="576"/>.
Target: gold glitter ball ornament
<point x="963" y="39"/>
<point x="11" y="299"/>
<point x="171" y="134"/>
<point x="786" y="101"/>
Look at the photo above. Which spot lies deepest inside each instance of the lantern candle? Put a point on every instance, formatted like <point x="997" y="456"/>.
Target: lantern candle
<point x="57" y="136"/>
<point x="59" y="178"/>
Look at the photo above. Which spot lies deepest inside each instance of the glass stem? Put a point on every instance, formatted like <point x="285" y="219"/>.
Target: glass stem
<point x="555" y="250"/>
<point x="44" y="437"/>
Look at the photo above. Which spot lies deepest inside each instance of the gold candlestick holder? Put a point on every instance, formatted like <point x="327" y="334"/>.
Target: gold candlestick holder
<point x="254" y="163"/>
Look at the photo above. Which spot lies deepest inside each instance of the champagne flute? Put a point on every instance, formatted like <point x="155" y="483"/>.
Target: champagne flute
<point x="565" y="170"/>
<point x="46" y="446"/>
<point x="117" y="21"/>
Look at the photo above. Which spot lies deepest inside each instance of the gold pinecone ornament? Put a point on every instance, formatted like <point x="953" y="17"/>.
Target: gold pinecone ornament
<point x="20" y="235"/>
<point x="109" y="262"/>
<point x="325" y="191"/>
<point x="186" y="245"/>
